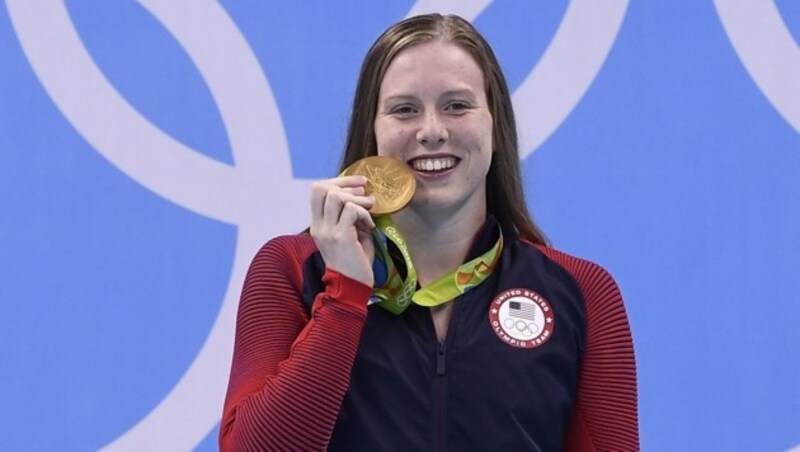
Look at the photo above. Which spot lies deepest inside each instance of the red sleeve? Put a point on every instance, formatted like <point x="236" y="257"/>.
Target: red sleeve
<point x="606" y="416"/>
<point x="290" y="373"/>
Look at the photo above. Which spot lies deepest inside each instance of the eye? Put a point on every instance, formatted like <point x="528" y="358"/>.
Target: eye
<point x="457" y="106"/>
<point x="403" y="110"/>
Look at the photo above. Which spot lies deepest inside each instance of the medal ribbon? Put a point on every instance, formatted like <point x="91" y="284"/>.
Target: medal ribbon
<point x="394" y="293"/>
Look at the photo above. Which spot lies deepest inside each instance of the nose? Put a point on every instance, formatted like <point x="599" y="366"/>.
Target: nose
<point x="432" y="132"/>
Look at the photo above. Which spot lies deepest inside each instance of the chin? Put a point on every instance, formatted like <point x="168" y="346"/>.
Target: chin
<point x="433" y="204"/>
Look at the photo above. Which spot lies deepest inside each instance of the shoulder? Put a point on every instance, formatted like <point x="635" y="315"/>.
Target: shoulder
<point x="606" y="317"/>
<point x="286" y="249"/>
<point x="596" y="285"/>
<point x="295" y="244"/>
<point x="605" y="309"/>
<point x="595" y="282"/>
<point x="588" y="274"/>
<point x="282" y="255"/>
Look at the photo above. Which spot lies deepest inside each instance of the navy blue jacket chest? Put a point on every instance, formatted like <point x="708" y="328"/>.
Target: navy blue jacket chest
<point x="478" y="389"/>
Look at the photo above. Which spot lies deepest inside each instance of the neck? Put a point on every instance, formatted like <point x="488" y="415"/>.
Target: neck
<point x="438" y="244"/>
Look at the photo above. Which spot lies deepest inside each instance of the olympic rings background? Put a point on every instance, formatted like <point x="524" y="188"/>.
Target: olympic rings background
<point x="148" y="148"/>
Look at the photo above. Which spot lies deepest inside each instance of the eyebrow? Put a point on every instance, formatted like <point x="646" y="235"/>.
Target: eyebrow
<point x="459" y="92"/>
<point x="399" y="97"/>
<point x="450" y="93"/>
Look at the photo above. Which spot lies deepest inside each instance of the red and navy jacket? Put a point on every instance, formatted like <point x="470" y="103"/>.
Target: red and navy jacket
<point x="538" y="357"/>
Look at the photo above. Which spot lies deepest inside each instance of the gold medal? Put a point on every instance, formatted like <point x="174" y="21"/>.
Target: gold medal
<point x="390" y="181"/>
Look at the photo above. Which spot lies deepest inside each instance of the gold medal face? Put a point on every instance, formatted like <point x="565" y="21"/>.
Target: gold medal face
<point x="390" y="181"/>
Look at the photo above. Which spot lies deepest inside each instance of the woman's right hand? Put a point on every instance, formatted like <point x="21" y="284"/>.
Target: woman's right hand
<point x="341" y="226"/>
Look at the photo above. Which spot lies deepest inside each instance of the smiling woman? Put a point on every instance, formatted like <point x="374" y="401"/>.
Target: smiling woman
<point x="447" y="325"/>
<point x="434" y="115"/>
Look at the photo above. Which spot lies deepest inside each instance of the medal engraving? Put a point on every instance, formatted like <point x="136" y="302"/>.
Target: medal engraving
<point x="390" y="181"/>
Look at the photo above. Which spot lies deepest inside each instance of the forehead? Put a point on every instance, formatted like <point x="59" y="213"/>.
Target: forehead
<point x="432" y="65"/>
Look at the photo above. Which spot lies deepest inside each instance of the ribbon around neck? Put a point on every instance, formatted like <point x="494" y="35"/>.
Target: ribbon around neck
<point x="394" y="293"/>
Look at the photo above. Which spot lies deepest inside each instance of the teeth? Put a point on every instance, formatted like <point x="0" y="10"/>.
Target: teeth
<point x="437" y="164"/>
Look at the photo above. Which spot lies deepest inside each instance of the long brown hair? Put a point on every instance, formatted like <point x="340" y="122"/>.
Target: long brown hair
<point x="505" y="198"/>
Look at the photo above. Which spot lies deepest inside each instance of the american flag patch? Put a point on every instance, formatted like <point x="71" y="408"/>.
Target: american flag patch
<point x="522" y="310"/>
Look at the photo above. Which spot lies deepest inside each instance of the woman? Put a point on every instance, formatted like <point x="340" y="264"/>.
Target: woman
<point x="534" y="353"/>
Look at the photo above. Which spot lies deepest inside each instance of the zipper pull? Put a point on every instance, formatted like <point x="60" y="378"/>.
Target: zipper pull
<point x="440" y="359"/>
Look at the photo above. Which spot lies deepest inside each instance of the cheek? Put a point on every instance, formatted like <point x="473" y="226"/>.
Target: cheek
<point x="478" y="138"/>
<point x="482" y="146"/>
<point x="385" y="144"/>
<point x="476" y="134"/>
<point x="380" y="138"/>
<point x="488" y="132"/>
<point x="390" y="142"/>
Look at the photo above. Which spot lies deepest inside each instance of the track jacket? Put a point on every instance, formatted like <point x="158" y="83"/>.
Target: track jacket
<point x="537" y="357"/>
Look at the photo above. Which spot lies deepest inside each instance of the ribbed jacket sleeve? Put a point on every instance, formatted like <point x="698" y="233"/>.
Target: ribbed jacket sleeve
<point x="290" y="373"/>
<point x="605" y="417"/>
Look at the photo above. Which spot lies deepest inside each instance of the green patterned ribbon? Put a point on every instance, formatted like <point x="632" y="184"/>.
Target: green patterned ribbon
<point x="394" y="293"/>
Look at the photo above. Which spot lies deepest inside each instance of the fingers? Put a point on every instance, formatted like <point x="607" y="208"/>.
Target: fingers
<point x="353" y="214"/>
<point x="341" y="224"/>
<point x="329" y="198"/>
<point x="352" y="185"/>
<point x="337" y="202"/>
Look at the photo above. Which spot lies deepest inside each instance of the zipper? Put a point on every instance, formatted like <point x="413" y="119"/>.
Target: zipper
<point x="440" y="358"/>
<point x="440" y="385"/>
<point x="440" y="400"/>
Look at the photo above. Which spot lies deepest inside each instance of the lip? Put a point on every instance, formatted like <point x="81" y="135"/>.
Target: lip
<point x="433" y="156"/>
<point x="433" y="175"/>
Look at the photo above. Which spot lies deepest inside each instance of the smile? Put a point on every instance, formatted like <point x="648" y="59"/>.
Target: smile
<point x="433" y="164"/>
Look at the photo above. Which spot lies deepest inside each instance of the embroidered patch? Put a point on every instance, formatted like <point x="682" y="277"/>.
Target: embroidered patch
<point x="522" y="318"/>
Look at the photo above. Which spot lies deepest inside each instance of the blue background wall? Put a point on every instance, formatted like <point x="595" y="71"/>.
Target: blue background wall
<point x="126" y="223"/>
